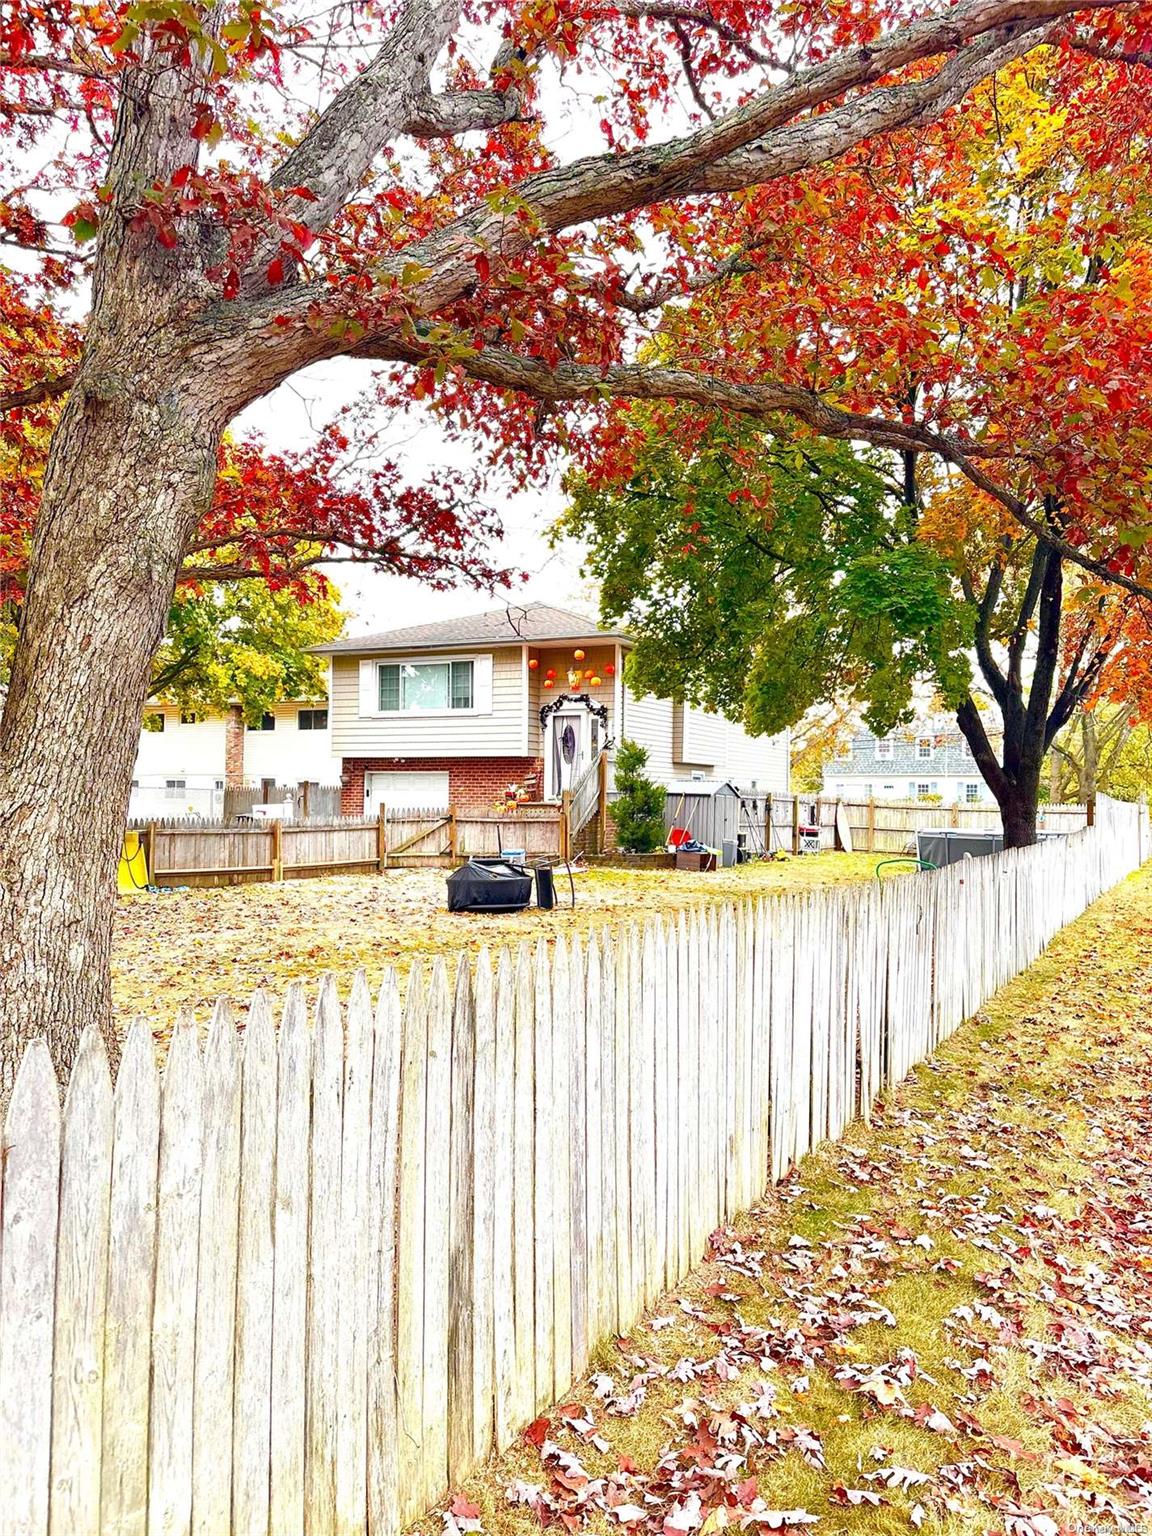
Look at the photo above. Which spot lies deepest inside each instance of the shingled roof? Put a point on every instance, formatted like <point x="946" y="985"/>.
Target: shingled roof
<point x="516" y="624"/>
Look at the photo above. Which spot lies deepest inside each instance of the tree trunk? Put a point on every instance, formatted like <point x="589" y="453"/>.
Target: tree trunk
<point x="1090" y="771"/>
<point x="1019" y="806"/>
<point x="129" y="475"/>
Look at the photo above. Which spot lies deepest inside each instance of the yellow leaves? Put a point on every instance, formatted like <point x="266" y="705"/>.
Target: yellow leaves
<point x="958" y="511"/>
<point x="1033" y="130"/>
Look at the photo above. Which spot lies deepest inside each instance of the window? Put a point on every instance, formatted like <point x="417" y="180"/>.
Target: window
<point x="312" y="719"/>
<point x="416" y="687"/>
<point x="266" y="723"/>
<point x="175" y="786"/>
<point x="885" y="749"/>
<point x="924" y="747"/>
<point x="154" y="722"/>
<point x="972" y="793"/>
<point x="189" y="717"/>
<point x="922" y="790"/>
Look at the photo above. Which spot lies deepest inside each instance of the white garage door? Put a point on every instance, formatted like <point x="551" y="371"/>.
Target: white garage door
<point x="405" y="791"/>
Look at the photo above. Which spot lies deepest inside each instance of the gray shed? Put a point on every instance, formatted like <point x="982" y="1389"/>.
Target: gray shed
<point x="709" y="808"/>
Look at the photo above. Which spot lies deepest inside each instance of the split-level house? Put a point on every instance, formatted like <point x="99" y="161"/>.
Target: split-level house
<point x="454" y="713"/>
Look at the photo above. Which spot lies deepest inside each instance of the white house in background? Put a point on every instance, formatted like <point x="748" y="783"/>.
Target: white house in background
<point x="187" y="758"/>
<point x="927" y="760"/>
<point x="455" y="712"/>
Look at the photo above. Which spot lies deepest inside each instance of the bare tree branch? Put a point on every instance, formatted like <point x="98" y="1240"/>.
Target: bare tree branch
<point x="36" y="394"/>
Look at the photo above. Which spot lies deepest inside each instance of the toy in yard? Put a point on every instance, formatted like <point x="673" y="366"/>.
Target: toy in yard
<point x="132" y="871"/>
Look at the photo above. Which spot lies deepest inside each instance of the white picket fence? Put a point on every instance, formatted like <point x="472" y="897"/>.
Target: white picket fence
<point x="305" y="1282"/>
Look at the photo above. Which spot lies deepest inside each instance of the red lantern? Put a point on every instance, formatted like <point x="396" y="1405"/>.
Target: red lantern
<point x="609" y="670"/>
<point x="548" y="683"/>
<point x="551" y="673"/>
<point x="533" y="663"/>
<point x="579" y="655"/>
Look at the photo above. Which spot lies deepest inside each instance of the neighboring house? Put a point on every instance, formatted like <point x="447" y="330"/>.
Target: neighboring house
<point x="456" y="712"/>
<point x="924" y="761"/>
<point x="186" y="759"/>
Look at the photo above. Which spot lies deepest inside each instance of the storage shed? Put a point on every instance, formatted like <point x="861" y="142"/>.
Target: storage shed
<point x="708" y="808"/>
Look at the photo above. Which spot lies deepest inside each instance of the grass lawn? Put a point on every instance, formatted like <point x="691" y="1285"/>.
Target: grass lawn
<point x="188" y="947"/>
<point x="945" y="1321"/>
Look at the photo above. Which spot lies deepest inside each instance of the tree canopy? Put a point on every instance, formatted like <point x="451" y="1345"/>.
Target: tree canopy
<point x="744" y="223"/>
<point x="763" y="574"/>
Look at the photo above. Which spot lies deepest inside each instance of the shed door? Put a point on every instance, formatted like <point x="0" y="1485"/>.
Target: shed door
<point x="405" y="791"/>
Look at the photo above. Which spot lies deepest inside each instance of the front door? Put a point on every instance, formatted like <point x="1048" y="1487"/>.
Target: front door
<point x="571" y="742"/>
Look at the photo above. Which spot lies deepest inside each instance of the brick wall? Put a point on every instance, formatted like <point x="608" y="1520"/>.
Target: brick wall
<point x="474" y="783"/>
<point x="234" y="748"/>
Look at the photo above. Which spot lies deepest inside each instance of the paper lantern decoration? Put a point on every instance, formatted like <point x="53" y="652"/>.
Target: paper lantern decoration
<point x="579" y="655"/>
<point x="595" y="681"/>
<point x="609" y="670"/>
<point x="533" y="663"/>
<point x="551" y="672"/>
<point x="548" y="683"/>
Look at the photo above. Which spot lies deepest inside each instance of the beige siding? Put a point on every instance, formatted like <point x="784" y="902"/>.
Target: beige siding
<point x="498" y="733"/>
<point x="700" y="739"/>
<point x="759" y="760"/>
<point x="649" y="722"/>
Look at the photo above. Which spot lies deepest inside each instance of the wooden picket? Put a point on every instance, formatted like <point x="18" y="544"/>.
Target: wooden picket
<point x="306" y="1283"/>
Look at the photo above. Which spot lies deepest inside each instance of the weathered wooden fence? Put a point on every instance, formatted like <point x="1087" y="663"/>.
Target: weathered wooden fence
<point x="305" y="1281"/>
<point x="442" y="836"/>
<point x="773" y="822"/>
<point x="220" y="853"/>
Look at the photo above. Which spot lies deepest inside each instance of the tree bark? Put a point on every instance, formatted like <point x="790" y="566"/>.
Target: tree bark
<point x="129" y="475"/>
<point x="1019" y="807"/>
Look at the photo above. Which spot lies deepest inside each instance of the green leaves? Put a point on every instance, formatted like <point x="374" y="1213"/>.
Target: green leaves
<point x="763" y="573"/>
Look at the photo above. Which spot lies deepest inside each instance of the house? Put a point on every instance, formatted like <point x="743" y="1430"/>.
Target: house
<point x="186" y="758"/>
<point x="928" y="760"/>
<point x="456" y="712"/>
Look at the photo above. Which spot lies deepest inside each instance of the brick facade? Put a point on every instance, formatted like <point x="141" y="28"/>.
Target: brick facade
<point x="474" y="783"/>
<point x="234" y="747"/>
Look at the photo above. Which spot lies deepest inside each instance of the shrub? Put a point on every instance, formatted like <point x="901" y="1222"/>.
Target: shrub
<point x="639" y="807"/>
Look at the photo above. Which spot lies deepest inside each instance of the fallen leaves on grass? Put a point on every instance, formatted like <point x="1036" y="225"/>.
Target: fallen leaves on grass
<point x="947" y="1322"/>
<point x="185" y="948"/>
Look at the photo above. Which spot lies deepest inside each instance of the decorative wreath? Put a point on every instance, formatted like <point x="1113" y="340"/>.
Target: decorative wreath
<point x="599" y="710"/>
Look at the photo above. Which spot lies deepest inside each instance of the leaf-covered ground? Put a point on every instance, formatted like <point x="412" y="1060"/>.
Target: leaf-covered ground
<point x="943" y="1322"/>
<point x="188" y="947"/>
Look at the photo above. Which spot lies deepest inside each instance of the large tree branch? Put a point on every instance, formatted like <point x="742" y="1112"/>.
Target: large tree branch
<point x="36" y="394"/>
<point x="971" y="725"/>
<point x="1102" y="50"/>
<point x="778" y="132"/>
<point x="985" y="608"/>
<point x="454" y="112"/>
<point x="335" y="156"/>
<point x="580" y="381"/>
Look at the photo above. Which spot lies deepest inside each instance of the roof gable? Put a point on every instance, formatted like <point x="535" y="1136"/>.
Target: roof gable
<point x="516" y="624"/>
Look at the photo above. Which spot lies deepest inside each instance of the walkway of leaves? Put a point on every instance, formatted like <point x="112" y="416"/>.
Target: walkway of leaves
<point x="945" y="1323"/>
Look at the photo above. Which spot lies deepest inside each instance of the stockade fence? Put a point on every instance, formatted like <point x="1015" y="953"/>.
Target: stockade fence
<point x="774" y="822"/>
<point x="305" y="1281"/>
<point x="182" y="852"/>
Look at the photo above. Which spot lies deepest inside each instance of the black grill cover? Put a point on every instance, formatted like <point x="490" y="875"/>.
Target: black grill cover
<point x="489" y="885"/>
